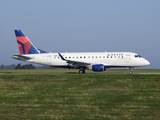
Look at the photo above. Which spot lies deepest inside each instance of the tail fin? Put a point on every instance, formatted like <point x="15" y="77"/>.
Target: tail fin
<point x="24" y="44"/>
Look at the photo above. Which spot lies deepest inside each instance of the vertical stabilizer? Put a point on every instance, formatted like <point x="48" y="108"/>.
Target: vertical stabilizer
<point x="24" y="44"/>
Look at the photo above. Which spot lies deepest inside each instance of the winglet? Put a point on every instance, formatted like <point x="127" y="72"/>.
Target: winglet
<point x="61" y="56"/>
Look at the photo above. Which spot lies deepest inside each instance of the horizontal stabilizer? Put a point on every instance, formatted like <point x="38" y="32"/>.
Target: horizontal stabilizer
<point x="21" y="57"/>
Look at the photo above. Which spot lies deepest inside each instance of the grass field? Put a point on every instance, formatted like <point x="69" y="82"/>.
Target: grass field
<point x="62" y="71"/>
<point x="75" y="96"/>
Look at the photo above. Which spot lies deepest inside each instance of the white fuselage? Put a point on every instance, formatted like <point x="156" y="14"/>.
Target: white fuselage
<point x="108" y="59"/>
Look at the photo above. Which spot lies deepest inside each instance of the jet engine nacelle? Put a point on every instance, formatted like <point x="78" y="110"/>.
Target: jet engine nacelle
<point x="98" y="67"/>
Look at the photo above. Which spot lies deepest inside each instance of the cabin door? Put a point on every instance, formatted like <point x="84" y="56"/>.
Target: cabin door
<point x="49" y="59"/>
<point x="128" y="58"/>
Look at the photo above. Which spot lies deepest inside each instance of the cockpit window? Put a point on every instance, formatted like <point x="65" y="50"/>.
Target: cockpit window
<point x="137" y="56"/>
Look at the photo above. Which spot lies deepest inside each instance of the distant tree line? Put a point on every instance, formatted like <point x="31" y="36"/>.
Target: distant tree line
<point x="20" y="66"/>
<point x="2" y="66"/>
<point x="27" y="66"/>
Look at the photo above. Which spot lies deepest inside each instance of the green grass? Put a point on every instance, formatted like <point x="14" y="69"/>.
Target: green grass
<point x="51" y="71"/>
<point x="74" y="96"/>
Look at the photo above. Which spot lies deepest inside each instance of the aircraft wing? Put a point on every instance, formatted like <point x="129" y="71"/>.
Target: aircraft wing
<point x="21" y="57"/>
<point x="75" y="63"/>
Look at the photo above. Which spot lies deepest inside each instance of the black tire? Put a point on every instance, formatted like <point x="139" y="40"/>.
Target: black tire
<point x="81" y="71"/>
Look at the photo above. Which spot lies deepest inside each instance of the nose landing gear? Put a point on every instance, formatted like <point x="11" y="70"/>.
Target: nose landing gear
<point x="130" y="70"/>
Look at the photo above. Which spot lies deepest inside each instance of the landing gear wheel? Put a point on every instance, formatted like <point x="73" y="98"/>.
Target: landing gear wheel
<point x="130" y="70"/>
<point x="81" y="71"/>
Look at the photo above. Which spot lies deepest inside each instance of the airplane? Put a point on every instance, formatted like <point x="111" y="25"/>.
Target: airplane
<point x="96" y="61"/>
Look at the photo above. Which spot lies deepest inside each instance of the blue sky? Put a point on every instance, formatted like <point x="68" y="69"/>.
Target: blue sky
<point x="82" y="25"/>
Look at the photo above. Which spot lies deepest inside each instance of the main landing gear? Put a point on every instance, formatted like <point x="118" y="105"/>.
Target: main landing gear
<point x="81" y="71"/>
<point x="130" y="70"/>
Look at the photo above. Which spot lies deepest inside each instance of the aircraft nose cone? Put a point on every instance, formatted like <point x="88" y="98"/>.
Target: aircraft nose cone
<point x="147" y="62"/>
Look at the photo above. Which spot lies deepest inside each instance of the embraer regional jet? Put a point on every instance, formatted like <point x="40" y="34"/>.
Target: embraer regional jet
<point x="96" y="61"/>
